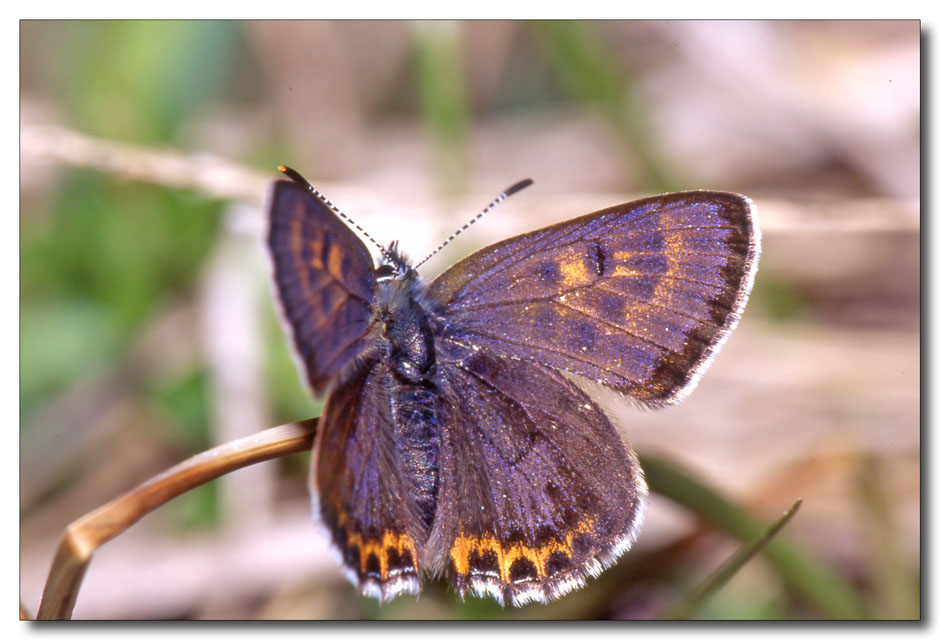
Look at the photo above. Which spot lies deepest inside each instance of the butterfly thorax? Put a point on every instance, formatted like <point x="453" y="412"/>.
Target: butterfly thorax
<point x="409" y="354"/>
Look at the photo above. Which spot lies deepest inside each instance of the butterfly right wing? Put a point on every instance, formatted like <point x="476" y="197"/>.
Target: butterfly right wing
<point x="638" y="296"/>
<point x="325" y="281"/>
<point x="538" y="490"/>
<point x="361" y="493"/>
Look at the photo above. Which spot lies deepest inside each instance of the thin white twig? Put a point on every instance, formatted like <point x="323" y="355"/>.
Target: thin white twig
<point x="203" y="172"/>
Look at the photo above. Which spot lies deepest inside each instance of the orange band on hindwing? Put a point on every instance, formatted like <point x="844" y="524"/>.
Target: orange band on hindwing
<point x="474" y="554"/>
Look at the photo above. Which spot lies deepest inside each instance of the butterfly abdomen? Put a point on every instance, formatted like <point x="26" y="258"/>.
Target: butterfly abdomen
<point x="417" y="443"/>
<point x="411" y="357"/>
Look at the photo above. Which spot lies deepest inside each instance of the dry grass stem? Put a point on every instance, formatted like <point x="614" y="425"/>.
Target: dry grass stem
<point x="203" y="172"/>
<point x="86" y="534"/>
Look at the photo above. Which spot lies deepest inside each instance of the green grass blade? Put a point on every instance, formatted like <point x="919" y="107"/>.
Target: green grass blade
<point x="808" y="577"/>
<point x="591" y="74"/>
<point x="689" y="605"/>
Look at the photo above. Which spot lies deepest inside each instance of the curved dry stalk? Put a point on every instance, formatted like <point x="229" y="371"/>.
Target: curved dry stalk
<point x="89" y="532"/>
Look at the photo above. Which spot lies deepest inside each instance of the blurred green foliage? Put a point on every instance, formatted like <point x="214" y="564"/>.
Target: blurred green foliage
<point x="105" y="254"/>
<point x="698" y="598"/>
<point x="95" y="267"/>
<point x="592" y="76"/>
<point x="895" y="584"/>
<point x="140" y="80"/>
<point x="290" y="398"/>
<point x="198" y="508"/>
<point x="185" y="399"/>
<point x="445" y="108"/>
<point x="808" y="577"/>
<point x="779" y="299"/>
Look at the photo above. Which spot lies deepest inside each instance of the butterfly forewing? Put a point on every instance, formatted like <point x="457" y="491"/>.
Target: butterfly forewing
<point x="538" y="489"/>
<point x="325" y="281"/>
<point x="637" y="296"/>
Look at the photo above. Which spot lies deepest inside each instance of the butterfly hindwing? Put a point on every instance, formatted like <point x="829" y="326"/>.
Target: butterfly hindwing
<point x="325" y="281"/>
<point x="538" y="490"/>
<point x="637" y="296"/>
<point x="363" y="497"/>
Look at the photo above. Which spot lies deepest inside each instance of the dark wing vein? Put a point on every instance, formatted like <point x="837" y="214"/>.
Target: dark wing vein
<point x="539" y="347"/>
<point x="532" y="480"/>
<point x="554" y="296"/>
<point x="524" y="253"/>
<point x="619" y="328"/>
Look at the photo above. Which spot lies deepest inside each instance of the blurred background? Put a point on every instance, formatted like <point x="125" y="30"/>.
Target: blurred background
<point x="148" y="332"/>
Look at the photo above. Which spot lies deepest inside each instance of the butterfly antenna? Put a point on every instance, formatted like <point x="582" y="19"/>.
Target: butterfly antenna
<point x="519" y="186"/>
<point x="299" y="179"/>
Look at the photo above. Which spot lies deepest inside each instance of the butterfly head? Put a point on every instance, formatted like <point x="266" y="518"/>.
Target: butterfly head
<point x="395" y="265"/>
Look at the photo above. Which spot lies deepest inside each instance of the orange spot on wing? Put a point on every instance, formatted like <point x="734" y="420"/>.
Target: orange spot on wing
<point x="575" y="272"/>
<point x="335" y="262"/>
<point x="390" y="540"/>
<point x="465" y="545"/>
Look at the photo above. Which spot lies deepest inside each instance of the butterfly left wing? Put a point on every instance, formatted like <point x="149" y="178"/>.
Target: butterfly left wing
<point x="637" y="297"/>
<point x="325" y="281"/>
<point x="361" y="494"/>
<point x="538" y="490"/>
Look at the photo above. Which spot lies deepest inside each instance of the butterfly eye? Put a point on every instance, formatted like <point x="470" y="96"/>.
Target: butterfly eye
<point x="384" y="271"/>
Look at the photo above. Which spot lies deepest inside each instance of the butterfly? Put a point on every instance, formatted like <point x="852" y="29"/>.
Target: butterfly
<point x="455" y="439"/>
